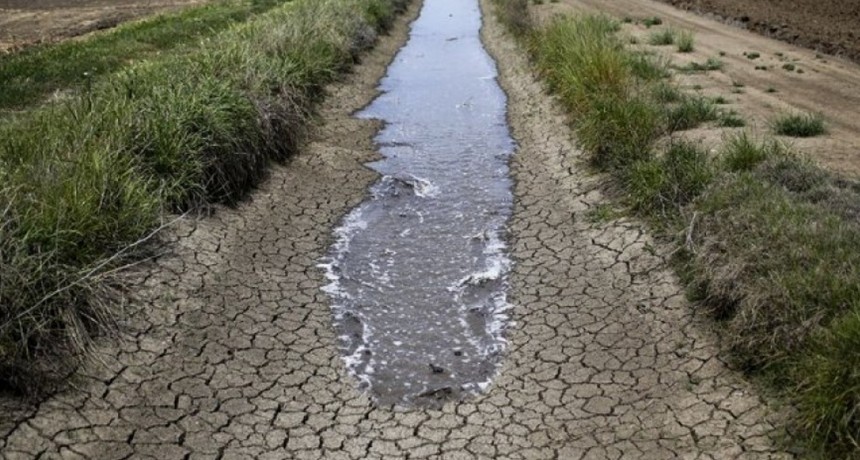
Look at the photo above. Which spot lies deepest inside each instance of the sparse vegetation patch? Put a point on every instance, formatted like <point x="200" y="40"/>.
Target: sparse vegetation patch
<point x="769" y="241"/>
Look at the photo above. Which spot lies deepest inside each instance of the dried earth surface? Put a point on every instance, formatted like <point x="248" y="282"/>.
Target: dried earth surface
<point x="829" y="26"/>
<point x="816" y="84"/>
<point x="27" y="22"/>
<point x="231" y="353"/>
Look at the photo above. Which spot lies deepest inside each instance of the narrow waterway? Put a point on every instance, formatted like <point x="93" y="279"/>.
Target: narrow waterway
<point x="418" y="272"/>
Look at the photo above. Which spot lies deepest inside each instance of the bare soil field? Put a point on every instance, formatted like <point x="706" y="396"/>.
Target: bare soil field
<point x="754" y="79"/>
<point x="830" y="26"/>
<point x="28" y="22"/>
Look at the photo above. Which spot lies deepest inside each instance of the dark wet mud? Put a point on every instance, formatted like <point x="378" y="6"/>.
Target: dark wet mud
<point x="418" y="274"/>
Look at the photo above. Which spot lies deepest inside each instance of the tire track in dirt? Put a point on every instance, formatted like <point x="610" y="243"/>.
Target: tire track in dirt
<point x="233" y="354"/>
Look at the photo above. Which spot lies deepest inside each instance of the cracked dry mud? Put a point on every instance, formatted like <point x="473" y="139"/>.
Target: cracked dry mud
<point x="232" y="354"/>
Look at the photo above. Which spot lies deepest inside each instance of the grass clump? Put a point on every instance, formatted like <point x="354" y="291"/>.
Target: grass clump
<point x="663" y="37"/>
<point x="711" y="64"/>
<point x="799" y="125"/>
<point x="652" y="21"/>
<point x="84" y="184"/>
<point x="777" y="268"/>
<point x="741" y="152"/>
<point x="586" y="64"/>
<point x="731" y="119"/>
<point x="662" y="186"/>
<point x="647" y="67"/>
<point x="515" y="15"/>
<point x="666" y="93"/>
<point x="829" y="376"/>
<point x="685" y="42"/>
<point x="690" y="113"/>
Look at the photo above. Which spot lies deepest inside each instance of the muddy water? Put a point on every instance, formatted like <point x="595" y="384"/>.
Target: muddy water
<point x="418" y="273"/>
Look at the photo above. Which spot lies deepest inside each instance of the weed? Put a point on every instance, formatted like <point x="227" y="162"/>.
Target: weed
<point x="602" y="213"/>
<point x="515" y="15"/>
<point x="731" y="119"/>
<point x="652" y="21"/>
<point x="685" y="41"/>
<point x="710" y="65"/>
<point x="799" y="125"/>
<point x="690" y="113"/>
<point x="647" y="67"/>
<point x="720" y="100"/>
<point x="830" y="383"/>
<point x="770" y="89"/>
<point x="663" y="186"/>
<point x="789" y="67"/>
<point x="752" y="55"/>
<point x="662" y="37"/>
<point x="741" y="152"/>
<point x="666" y="93"/>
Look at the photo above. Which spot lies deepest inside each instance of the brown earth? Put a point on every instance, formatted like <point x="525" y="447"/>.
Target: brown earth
<point x="28" y="22"/>
<point x="829" y="26"/>
<point x="829" y="86"/>
<point x="231" y="353"/>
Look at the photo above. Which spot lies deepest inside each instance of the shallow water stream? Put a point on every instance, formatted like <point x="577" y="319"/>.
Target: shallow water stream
<point x="418" y="272"/>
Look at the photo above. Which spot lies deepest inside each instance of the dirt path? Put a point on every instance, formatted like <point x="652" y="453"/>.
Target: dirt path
<point x="235" y="356"/>
<point x="828" y="86"/>
<point x="26" y="22"/>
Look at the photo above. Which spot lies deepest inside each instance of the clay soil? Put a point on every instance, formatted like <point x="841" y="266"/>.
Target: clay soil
<point x="830" y="26"/>
<point x="28" y="22"/>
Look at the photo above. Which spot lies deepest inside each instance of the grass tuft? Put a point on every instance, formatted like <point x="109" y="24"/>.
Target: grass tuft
<point x="662" y="37"/>
<point x="799" y="125"/>
<point x="685" y="42"/>
<point x="711" y="64"/>
<point x="663" y="186"/>
<point x="691" y="112"/>
<point x="515" y="15"/>
<point x="731" y="119"/>
<point x="741" y="152"/>
<point x="652" y="21"/>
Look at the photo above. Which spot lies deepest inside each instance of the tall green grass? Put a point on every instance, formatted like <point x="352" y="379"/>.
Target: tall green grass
<point x="84" y="182"/>
<point x="769" y="241"/>
<point x="32" y="75"/>
<point x="586" y="65"/>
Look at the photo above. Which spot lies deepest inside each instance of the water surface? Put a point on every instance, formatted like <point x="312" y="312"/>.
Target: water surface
<point x="418" y="273"/>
